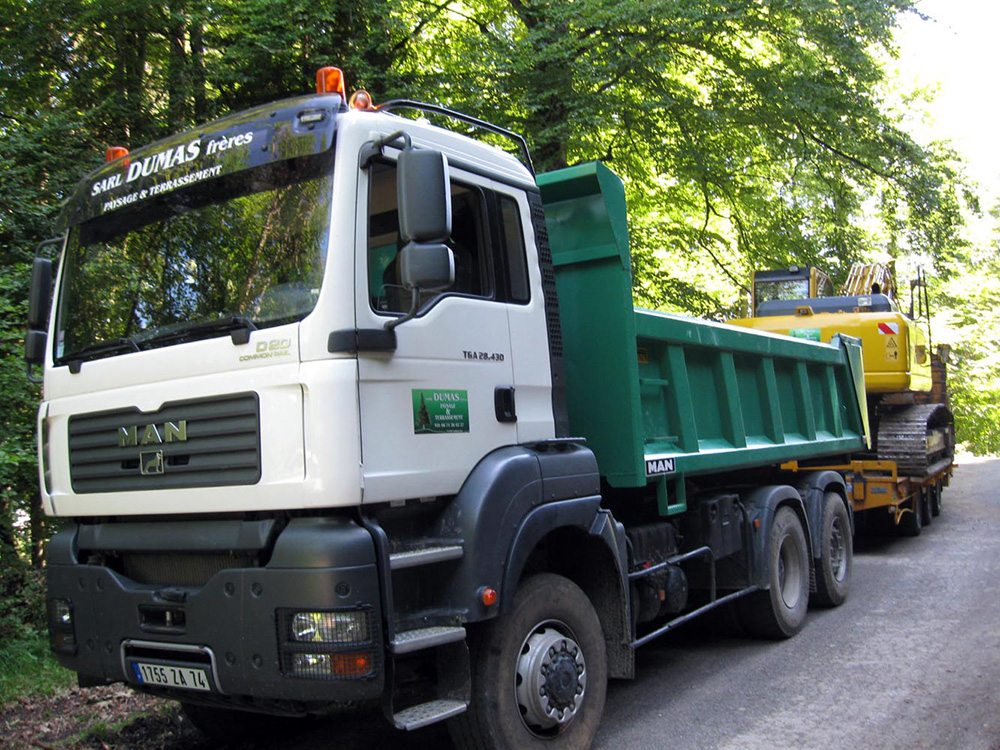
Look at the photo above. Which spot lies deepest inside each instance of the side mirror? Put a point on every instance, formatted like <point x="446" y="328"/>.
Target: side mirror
<point x="428" y="268"/>
<point x="423" y="191"/>
<point x="40" y="295"/>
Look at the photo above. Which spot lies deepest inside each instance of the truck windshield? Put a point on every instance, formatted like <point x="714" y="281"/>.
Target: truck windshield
<point x="196" y="264"/>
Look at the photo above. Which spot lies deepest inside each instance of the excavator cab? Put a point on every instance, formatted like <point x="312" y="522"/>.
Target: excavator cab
<point x="794" y="282"/>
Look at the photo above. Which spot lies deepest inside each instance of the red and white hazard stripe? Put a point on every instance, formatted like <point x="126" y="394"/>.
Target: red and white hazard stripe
<point x="888" y="328"/>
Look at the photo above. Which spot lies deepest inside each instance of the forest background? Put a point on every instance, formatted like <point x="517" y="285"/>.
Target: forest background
<point x="751" y="134"/>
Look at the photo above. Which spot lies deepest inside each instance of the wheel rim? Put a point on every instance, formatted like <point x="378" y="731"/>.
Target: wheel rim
<point x="550" y="681"/>
<point x="838" y="550"/>
<point x="789" y="573"/>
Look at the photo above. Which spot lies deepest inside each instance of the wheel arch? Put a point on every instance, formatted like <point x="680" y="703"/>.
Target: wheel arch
<point x="505" y="489"/>
<point x="582" y="542"/>
<point x="813" y="488"/>
<point x="762" y="504"/>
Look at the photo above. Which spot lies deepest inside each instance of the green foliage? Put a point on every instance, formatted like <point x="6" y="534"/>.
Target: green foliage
<point x="27" y="667"/>
<point x="751" y="135"/>
<point x="972" y="316"/>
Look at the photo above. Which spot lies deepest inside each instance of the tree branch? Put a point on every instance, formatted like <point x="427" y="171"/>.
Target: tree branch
<point x="845" y="156"/>
<point x="437" y="10"/>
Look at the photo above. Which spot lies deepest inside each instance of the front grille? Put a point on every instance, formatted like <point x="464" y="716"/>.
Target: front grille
<point x="190" y="569"/>
<point x="209" y="442"/>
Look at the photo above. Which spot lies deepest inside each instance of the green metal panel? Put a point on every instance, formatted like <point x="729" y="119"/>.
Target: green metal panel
<point x="696" y="396"/>
<point x="588" y="231"/>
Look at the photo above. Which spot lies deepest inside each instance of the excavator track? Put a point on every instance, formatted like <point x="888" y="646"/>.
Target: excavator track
<point x="916" y="437"/>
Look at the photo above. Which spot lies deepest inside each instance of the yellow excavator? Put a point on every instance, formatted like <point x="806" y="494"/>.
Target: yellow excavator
<point x="911" y="424"/>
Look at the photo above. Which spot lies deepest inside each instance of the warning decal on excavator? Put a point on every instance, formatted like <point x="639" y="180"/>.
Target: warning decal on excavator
<point x="891" y="348"/>
<point x="888" y="328"/>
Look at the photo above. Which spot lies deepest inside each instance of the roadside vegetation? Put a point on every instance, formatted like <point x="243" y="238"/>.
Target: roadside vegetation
<point x="26" y="665"/>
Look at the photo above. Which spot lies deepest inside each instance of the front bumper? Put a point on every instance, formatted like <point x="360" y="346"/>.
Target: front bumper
<point x="230" y="626"/>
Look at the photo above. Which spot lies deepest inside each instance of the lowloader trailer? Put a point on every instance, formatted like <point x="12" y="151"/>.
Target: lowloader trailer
<point x="343" y="408"/>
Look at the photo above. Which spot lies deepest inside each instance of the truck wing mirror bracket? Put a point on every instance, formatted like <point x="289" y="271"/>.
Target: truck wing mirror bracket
<point x="423" y="268"/>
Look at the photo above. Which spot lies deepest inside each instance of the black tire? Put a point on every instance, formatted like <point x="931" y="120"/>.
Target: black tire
<point x="836" y="561"/>
<point x="936" y="498"/>
<point x="926" y="495"/>
<point x="510" y="653"/>
<point x="229" y="725"/>
<point x="911" y="523"/>
<point x="780" y="611"/>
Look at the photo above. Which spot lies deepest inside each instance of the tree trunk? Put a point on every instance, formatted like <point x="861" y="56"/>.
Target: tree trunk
<point x="36" y="526"/>
<point x="177" y="73"/>
<point x="198" y="85"/>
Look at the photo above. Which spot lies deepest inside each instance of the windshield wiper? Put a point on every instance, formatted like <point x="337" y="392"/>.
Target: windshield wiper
<point x="98" y="351"/>
<point x="238" y="327"/>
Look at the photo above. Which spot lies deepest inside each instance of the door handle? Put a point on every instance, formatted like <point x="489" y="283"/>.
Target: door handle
<point x="503" y="401"/>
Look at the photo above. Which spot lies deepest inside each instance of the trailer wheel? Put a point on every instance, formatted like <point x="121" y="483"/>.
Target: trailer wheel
<point x="936" y="498"/>
<point x="539" y="673"/>
<point x="836" y="561"/>
<point x="910" y="523"/>
<point x="780" y="611"/>
<point x="926" y="497"/>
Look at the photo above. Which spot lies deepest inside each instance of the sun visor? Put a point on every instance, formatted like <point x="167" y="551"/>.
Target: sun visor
<point x="290" y="129"/>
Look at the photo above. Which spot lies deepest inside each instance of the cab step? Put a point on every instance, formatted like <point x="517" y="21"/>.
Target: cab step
<point x="409" y="641"/>
<point x="425" y="556"/>
<point x="425" y="714"/>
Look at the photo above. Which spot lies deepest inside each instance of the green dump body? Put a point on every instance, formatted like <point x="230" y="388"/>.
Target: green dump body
<point x="660" y="397"/>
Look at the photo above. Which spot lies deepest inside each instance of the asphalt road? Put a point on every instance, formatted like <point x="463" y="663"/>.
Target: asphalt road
<point x="910" y="661"/>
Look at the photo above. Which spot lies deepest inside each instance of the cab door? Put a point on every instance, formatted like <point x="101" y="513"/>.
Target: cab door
<point x="429" y="408"/>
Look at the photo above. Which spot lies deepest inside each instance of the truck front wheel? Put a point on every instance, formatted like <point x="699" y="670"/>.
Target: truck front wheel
<point x="539" y="673"/>
<point x="780" y="611"/>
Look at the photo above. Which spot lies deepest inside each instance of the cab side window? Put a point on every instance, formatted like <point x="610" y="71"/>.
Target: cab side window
<point x="512" y="257"/>
<point x="469" y="243"/>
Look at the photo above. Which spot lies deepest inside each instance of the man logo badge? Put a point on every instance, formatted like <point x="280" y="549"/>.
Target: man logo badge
<point x="151" y="462"/>
<point x="169" y="432"/>
<point x="655" y="466"/>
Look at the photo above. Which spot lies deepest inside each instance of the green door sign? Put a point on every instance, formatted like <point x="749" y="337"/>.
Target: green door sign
<point x="440" y="411"/>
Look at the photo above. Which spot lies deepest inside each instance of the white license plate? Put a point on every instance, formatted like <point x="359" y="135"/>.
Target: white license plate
<point x="168" y="676"/>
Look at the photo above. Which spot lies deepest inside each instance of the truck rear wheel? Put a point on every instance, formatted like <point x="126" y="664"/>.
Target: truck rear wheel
<point x="780" y="611"/>
<point x="936" y="498"/>
<point x="833" y="568"/>
<point x="539" y="673"/>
